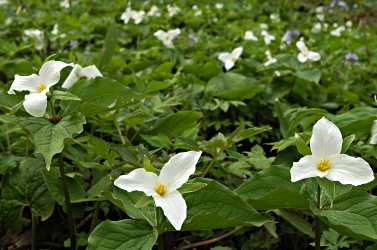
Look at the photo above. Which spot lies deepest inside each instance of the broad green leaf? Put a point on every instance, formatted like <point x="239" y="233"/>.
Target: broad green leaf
<point x="353" y="214"/>
<point x="310" y="75"/>
<point x="27" y="188"/>
<point x="122" y="235"/>
<point x="241" y="133"/>
<point x="48" y="138"/>
<point x="233" y="86"/>
<point x="216" y="206"/>
<point x="272" y="189"/>
<point x="347" y="142"/>
<point x="295" y="220"/>
<point x="175" y="124"/>
<point x="64" y="96"/>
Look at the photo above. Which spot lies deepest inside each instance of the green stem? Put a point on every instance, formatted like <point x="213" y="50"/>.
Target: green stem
<point x="209" y="167"/>
<point x="67" y="200"/>
<point x="34" y="221"/>
<point x="317" y="222"/>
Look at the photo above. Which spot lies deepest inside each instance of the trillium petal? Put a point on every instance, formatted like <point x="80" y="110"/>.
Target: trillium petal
<point x="237" y="52"/>
<point x="159" y="34"/>
<point x="73" y="77"/>
<point x="174" y="207"/>
<point x="228" y="64"/>
<point x="349" y="170"/>
<point x="224" y="56"/>
<point x="174" y="33"/>
<point x="302" y="57"/>
<point x="305" y="168"/>
<point x="22" y="83"/>
<point x="35" y="104"/>
<point x="326" y="139"/>
<point x="314" y="56"/>
<point x="50" y="72"/>
<point x="178" y="169"/>
<point x="138" y="180"/>
<point x="301" y="46"/>
<point x="91" y="72"/>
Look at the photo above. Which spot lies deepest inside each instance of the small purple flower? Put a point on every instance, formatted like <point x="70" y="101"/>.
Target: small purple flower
<point x="73" y="43"/>
<point x="289" y="35"/>
<point x="351" y="57"/>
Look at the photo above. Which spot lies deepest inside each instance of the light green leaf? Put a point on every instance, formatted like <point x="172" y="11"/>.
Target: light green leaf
<point x="122" y="235"/>
<point x="311" y="75"/>
<point x="48" y="138"/>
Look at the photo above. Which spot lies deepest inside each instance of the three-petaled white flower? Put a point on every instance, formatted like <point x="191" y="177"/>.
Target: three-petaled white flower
<point x="79" y="72"/>
<point x="249" y="36"/>
<point x="37" y="36"/>
<point x="270" y="60"/>
<point x="135" y="15"/>
<point x="305" y="54"/>
<point x="173" y="10"/>
<point x="327" y="161"/>
<point x="163" y="188"/>
<point x="268" y="38"/>
<point x="154" y="11"/>
<point x="167" y="37"/>
<point x="35" y="102"/>
<point x="338" y="31"/>
<point x="229" y="59"/>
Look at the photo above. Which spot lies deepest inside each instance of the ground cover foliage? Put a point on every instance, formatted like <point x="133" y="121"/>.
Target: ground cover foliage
<point x="242" y="82"/>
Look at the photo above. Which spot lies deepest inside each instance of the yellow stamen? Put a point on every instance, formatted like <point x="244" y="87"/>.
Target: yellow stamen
<point x="41" y="87"/>
<point x="323" y="165"/>
<point x="160" y="189"/>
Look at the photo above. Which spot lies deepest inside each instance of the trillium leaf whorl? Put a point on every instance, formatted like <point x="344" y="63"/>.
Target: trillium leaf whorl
<point x="163" y="188"/>
<point x="327" y="161"/>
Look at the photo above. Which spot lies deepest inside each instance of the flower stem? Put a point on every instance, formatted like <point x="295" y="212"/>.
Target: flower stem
<point x="317" y="222"/>
<point x="34" y="221"/>
<point x="67" y="200"/>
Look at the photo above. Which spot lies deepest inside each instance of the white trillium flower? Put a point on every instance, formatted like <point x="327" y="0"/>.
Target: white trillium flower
<point x="135" y="15"/>
<point x="263" y="26"/>
<point x="163" y="188"/>
<point x="154" y="11"/>
<point x="167" y="37"/>
<point x="37" y="36"/>
<point x="317" y="27"/>
<point x="64" y="4"/>
<point x="349" y="24"/>
<point x="328" y="162"/>
<point x="35" y="102"/>
<point x="305" y="54"/>
<point x="338" y="31"/>
<point x="79" y="72"/>
<point x="219" y="6"/>
<point x="173" y="10"/>
<point x="267" y="37"/>
<point x="270" y="60"/>
<point x="229" y="59"/>
<point x="249" y="36"/>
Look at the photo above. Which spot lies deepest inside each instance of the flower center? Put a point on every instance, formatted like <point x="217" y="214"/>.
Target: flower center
<point x="323" y="165"/>
<point x="160" y="189"/>
<point x="41" y="87"/>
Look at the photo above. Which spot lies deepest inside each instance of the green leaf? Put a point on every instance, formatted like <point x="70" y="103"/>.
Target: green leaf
<point x="121" y="235"/>
<point x="48" y="138"/>
<point x="233" y="86"/>
<point x="175" y="124"/>
<point x="311" y="75"/>
<point x="301" y="146"/>
<point x="216" y="206"/>
<point x="241" y="133"/>
<point x="347" y="142"/>
<point x="353" y="214"/>
<point x="64" y="96"/>
<point x="191" y="186"/>
<point x="272" y="189"/>
<point x="26" y="187"/>
<point x="108" y="47"/>
<point x="295" y="220"/>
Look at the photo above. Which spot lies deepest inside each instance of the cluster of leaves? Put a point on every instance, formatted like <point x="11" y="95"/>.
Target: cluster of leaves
<point x="251" y="123"/>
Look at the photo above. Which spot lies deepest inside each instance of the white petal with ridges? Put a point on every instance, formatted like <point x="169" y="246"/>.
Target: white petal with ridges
<point x="138" y="180"/>
<point x="314" y="56"/>
<point x="326" y="139"/>
<point x="35" y="104"/>
<point x="302" y="57"/>
<point x="305" y="168"/>
<point x="174" y="207"/>
<point x="349" y="170"/>
<point x="178" y="169"/>
<point x="50" y="72"/>
<point x="24" y="83"/>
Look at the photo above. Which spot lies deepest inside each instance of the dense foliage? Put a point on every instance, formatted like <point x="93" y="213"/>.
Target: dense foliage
<point x="247" y="101"/>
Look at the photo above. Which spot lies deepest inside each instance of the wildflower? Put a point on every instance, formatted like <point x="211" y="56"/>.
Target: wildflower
<point x="249" y="36"/>
<point x="327" y="161"/>
<point x="35" y="102"/>
<point x="317" y="27"/>
<point x="64" y="4"/>
<point x="338" y="31"/>
<point x="79" y="72"/>
<point x="173" y="10"/>
<point x="136" y="16"/>
<point x="270" y="60"/>
<point x="275" y="17"/>
<point x="267" y="37"/>
<point x="167" y="37"/>
<point x="263" y="26"/>
<point x="287" y="38"/>
<point x="37" y="36"/>
<point x="154" y="11"/>
<point x="164" y="188"/>
<point x="219" y="6"/>
<point x="229" y="59"/>
<point x="305" y="54"/>
<point x="351" y="57"/>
